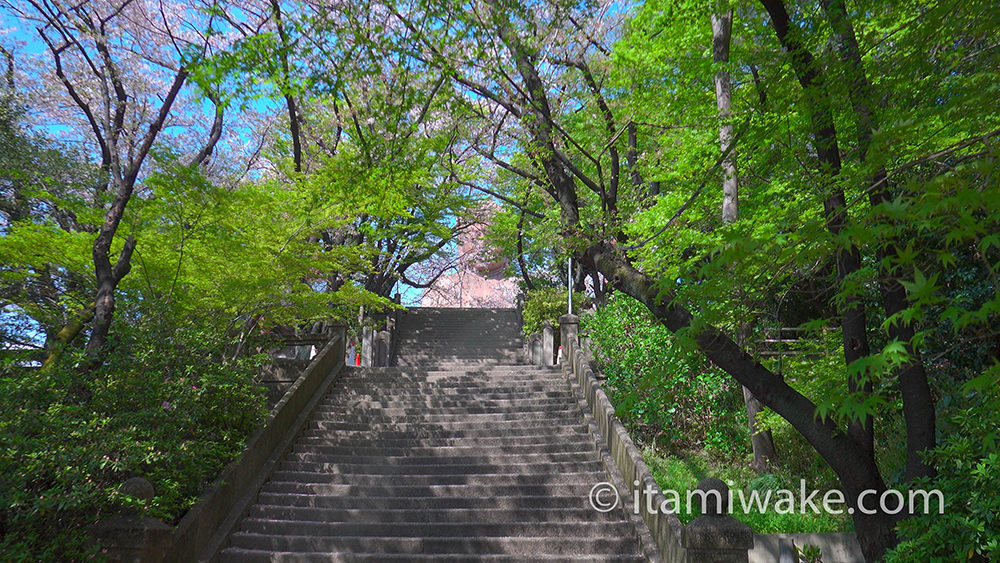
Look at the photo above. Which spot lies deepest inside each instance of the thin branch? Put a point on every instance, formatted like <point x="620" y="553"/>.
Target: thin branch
<point x="499" y="196"/>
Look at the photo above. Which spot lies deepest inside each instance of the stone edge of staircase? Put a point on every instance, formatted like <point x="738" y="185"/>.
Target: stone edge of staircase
<point x="659" y="533"/>
<point x="204" y="530"/>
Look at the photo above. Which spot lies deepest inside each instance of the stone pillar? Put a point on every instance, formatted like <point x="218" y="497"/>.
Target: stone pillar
<point x="548" y="344"/>
<point x="129" y="538"/>
<point x="535" y="349"/>
<point x="367" y="347"/>
<point x="569" y="330"/>
<point x="339" y="330"/>
<point x="715" y="536"/>
<point x="382" y="349"/>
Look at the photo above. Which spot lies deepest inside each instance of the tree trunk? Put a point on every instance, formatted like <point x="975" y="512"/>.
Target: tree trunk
<point x="850" y="460"/>
<point x="722" y="27"/>
<point x="849" y="455"/>
<point x="848" y="257"/>
<point x="762" y="442"/>
<point x="918" y="404"/>
<point x="107" y="281"/>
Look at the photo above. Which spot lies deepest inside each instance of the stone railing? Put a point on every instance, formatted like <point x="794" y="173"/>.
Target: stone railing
<point x="203" y="531"/>
<point x="715" y="536"/>
<point x="292" y="354"/>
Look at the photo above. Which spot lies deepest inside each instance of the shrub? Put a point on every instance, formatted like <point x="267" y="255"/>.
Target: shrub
<point x="969" y="479"/>
<point x="165" y="407"/>
<point x="660" y="388"/>
<point x="548" y="304"/>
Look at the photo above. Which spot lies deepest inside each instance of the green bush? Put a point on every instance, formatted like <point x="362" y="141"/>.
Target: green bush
<point x="164" y="407"/>
<point x="662" y="390"/>
<point x="548" y="304"/>
<point x="968" y="465"/>
<point x="683" y="473"/>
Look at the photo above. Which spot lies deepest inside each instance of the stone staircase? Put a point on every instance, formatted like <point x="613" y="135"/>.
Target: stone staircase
<point x="471" y="460"/>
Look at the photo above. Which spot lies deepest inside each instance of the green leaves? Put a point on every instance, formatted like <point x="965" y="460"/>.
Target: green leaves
<point x="167" y="408"/>
<point x="548" y="304"/>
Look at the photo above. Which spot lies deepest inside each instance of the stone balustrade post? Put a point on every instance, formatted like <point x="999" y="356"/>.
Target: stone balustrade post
<point x="382" y="342"/>
<point x="128" y="537"/>
<point x="548" y="344"/>
<point x="715" y="536"/>
<point x="569" y="335"/>
<point x="535" y="349"/>
<point x="367" y="347"/>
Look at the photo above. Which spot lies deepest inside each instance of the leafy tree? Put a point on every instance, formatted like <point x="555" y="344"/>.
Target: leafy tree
<point x="820" y="205"/>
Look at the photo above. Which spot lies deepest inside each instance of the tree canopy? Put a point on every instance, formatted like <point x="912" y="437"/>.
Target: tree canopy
<point x="737" y="167"/>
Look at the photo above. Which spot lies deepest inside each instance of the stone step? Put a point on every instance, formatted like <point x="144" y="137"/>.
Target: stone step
<point x="441" y="467"/>
<point x="524" y="501"/>
<point x="345" y="396"/>
<point x="369" y="419"/>
<point x="425" y="432"/>
<point x="455" y="367"/>
<point x="437" y="359"/>
<point x="359" y="421"/>
<point x="485" y="372"/>
<point x="442" y="478"/>
<point x="452" y="376"/>
<point x="446" y="409"/>
<point x="452" y="384"/>
<point x="580" y="488"/>
<point x="317" y="443"/>
<point x="448" y="379"/>
<point x="528" y="546"/>
<point x="530" y="453"/>
<point x="460" y="454"/>
<point x="472" y="347"/>
<point x="362" y="515"/>
<point x="402" y="530"/>
<point x="240" y="555"/>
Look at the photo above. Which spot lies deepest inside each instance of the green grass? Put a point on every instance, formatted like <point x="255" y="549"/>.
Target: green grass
<point x="682" y="473"/>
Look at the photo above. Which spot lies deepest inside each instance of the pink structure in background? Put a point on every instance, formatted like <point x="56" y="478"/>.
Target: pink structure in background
<point x="477" y="283"/>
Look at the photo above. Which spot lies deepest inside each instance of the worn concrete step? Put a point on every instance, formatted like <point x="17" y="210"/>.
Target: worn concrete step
<point x="408" y="479"/>
<point x="473" y="422"/>
<point x="437" y="360"/>
<point x="457" y="366"/>
<point x="448" y="378"/>
<point x="440" y="409"/>
<point x="265" y="526"/>
<point x="483" y="399"/>
<point x="388" y="490"/>
<point x="578" y="450"/>
<point x="469" y="357"/>
<point x="317" y="444"/>
<point x="423" y="432"/>
<point x="378" y="414"/>
<point x="463" y="351"/>
<point x="528" y="546"/>
<point x="453" y="384"/>
<point x="485" y="395"/>
<point x="426" y="515"/>
<point x="240" y="555"/>
<point x="471" y="337"/>
<point x="439" y="371"/>
<point x="529" y="464"/>
<point x="387" y="503"/>
<point x="446" y="409"/>
<point x="496" y="392"/>
<point x="414" y="413"/>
